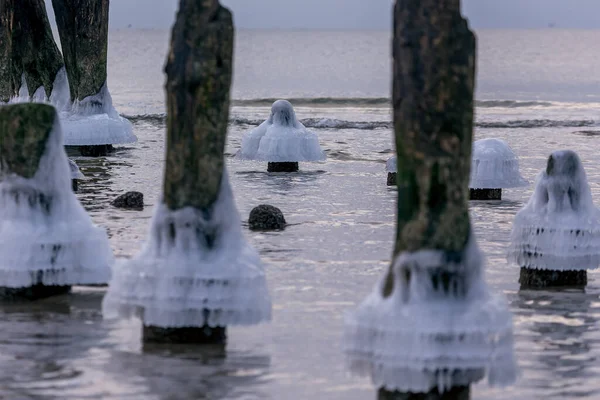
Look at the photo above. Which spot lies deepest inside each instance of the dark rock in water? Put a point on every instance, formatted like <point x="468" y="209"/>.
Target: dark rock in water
<point x="485" y="194"/>
<point x="282" y="167"/>
<point x="83" y="30"/>
<point x="196" y="335"/>
<point x="24" y="132"/>
<point x="265" y="218"/>
<point x="96" y="150"/>
<point x="533" y="278"/>
<point x="133" y="200"/>
<point x="391" y="178"/>
<point x="30" y="293"/>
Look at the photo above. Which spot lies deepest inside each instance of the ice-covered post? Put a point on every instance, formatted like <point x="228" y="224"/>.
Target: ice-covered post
<point x="197" y="274"/>
<point x="430" y="328"/>
<point x="47" y="241"/>
<point x="35" y="55"/>
<point x="556" y="236"/>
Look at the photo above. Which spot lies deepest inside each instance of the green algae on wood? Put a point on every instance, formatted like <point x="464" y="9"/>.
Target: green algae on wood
<point x="24" y="132"/>
<point x="34" y="51"/>
<point x="83" y="30"/>
<point x="199" y="73"/>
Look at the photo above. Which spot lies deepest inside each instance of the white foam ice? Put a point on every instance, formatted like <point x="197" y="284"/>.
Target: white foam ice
<point x="559" y="227"/>
<point x="94" y="121"/>
<point x="46" y="237"/>
<point x="75" y="171"/>
<point x="430" y="332"/>
<point x="281" y="138"/>
<point x="494" y="165"/>
<point x="391" y="165"/>
<point x="195" y="269"/>
<point x="91" y="121"/>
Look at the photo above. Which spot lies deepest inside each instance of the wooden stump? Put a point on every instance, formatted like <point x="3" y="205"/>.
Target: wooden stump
<point x="485" y="194"/>
<point x="74" y="184"/>
<point x="101" y="150"/>
<point x="456" y="393"/>
<point x="391" y="178"/>
<point x="282" y="167"/>
<point x="433" y="84"/>
<point x="533" y="278"/>
<point x="24" y="132"/>
<point x="199" y="72"/>
<point x="204" y="335"/>
<point x="34" y="52"/>
<point x="83" y="30"/>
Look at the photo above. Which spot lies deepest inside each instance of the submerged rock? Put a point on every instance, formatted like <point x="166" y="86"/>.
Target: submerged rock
<point x="132" y="200"/>
<point x="266" y="217"/>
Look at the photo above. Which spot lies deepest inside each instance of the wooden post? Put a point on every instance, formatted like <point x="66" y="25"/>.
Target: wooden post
<point x="485" y="194"/>
<point x="34" y="52"/>
<point x="24" y="132"/>
<point x="7" y="85"/>
<point x="83" y="30"/>
<point x="199" y="73"/>
<point x="433" y="84"/>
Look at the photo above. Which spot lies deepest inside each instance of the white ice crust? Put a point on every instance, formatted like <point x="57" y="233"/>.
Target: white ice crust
<point x="418" y="339"/>
<point x="91" y="121"/>
<point x="281" y="138"/>
<point x="178" y="280"/>
<point x="45" y="234"/>
<point x="75" y="171"/>
<point x="391" y="165"/>
<point x="559" y="228"/>
<point x="494" y="165"/>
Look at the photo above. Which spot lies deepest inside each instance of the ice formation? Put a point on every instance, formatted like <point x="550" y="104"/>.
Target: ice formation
<point x="195" y="269"/>
<point x="94" y="121"/>
<point x="75" y="171"/>
<point x="46" y="237"/>
<point x="434" y="330"/>
<point x="91" y="121"/>
<point x="559" y="228"/>
<point x="494" y="166"/>
<point x="281" y="138"/>
<point x="391" y="165"/>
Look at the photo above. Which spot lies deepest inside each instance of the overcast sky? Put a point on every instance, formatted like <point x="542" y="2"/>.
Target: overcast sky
<point x="362" y="14"/>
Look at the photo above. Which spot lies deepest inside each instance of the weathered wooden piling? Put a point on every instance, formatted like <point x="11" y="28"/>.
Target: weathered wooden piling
<point x="433" y="84"/>
<point x="83" y="30"/>
<point x="7" y="86"/>
<point x="391" y="178"/>
<point x="199" y="72"/>
<point x="485" y="194"/>
<point x="282" y="167"/>
<point x="24" y="134"/>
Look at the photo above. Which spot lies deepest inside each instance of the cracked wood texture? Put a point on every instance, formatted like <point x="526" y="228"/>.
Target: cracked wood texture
<point x="7" y="86"/>
<point x="34" y="51"/>
<point x="434" y="79"/>
<point x="433" y="84"/>
<point x="199" y="72"/>
<point x="83" y="30"/>
<point x="24" y="131"/>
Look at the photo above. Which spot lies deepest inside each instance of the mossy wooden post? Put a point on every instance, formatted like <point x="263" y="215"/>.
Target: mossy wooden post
<point x="24" y="132"/>
<point x="7" y="86"/>
<point x="34" y="52"/>
<point x="199" y="72"/>
<point x="83" y="30"/>
<point x="433" y="83"/>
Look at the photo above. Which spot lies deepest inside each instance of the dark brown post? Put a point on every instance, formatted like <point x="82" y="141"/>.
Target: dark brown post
<point x="199" y="72"/>
<point x="7" y="86"/>
<point x="34" y="51"/>
<point x="83" y="30"/>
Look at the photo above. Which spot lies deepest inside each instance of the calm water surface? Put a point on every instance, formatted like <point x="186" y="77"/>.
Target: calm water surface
<point x="342" y="218"/>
